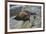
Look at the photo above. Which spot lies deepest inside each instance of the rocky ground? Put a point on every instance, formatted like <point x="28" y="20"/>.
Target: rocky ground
<point x="15" y="24"/>
<point x="34" y="23"/>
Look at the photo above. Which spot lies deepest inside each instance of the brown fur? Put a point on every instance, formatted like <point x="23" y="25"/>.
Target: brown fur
<point x="25" y="15"/>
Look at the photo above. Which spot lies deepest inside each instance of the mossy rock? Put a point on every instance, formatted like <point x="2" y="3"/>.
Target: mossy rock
<point x="27" y="25"/>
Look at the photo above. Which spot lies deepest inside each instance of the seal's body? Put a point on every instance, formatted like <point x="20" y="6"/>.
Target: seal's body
<point x="24" y="15"/>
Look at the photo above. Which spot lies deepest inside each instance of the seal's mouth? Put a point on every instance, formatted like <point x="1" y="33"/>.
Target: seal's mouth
<point x="18" y="18"/>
